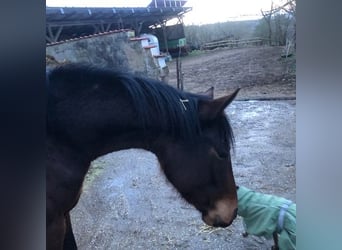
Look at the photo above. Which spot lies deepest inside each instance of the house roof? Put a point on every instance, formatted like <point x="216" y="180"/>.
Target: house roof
<point x="68" y="22"/>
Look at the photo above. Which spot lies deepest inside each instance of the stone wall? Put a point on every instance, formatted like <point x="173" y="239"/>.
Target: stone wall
<point x="113" y="49"/>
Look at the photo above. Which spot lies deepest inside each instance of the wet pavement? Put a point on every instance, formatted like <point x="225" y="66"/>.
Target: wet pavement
<point x="128" y="204"/>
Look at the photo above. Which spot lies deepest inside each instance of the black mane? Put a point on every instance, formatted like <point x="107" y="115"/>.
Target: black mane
<point x="177" y="111"/>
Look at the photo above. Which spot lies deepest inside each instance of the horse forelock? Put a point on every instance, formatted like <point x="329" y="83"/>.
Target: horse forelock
<point x="176" y="111"/>
<point x="229" y="135"/>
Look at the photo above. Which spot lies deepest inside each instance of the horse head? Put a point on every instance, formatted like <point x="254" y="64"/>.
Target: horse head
<point x="201" y="169"/>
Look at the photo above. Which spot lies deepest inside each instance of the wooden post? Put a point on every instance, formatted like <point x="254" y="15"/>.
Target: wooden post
<point x="165" y="37"/>
<point x="180" y="84"/>
<point x="181" y="75"/>
<point x="177" y="70"/>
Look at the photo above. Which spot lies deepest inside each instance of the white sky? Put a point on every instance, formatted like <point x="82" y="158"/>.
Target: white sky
<point x="204" y="11"/>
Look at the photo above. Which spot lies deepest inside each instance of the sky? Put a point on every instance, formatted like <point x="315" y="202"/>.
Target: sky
<point x="204" y="11"/>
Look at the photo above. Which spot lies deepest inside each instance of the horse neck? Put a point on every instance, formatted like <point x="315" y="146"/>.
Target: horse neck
<point x="78" y="160"/>
<point x="137" y="139"/>
<point x="62" y="156"/>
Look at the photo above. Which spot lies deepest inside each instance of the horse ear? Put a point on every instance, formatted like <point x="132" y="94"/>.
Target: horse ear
<point x="210" y="109"/>
<point x="208" y="93"/>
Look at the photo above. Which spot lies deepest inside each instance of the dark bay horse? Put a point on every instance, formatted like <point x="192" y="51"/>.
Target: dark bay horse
<point x="93" y="111"/>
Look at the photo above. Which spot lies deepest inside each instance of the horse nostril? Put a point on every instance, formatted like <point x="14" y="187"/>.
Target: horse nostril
<point x="219" y="223"/>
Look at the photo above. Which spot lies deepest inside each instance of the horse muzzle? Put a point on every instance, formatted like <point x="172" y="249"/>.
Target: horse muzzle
<point x="223" y="213"/>
<point x="217" y="221"/>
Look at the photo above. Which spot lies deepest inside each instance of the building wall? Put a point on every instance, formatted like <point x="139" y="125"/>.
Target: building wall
<point x="114" y="50"/>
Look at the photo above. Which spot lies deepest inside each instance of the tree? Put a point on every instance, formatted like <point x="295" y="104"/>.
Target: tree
<point x="267" y="17"/>
<point x="279" y="24"/>
<point x="197" y="35"/>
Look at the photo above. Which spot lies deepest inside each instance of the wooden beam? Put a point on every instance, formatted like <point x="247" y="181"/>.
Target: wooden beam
<point x="58" y="33"/>
<point x="108" y="27"/>
<point x="49" y="39"/>
<point x="101" y="27"/>
<point x="96" y="28"/>
<point x="50" y="34"/>
<point x="53" y="37"/>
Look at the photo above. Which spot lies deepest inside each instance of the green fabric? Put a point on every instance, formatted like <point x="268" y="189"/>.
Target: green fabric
<point x="260" y="214"/>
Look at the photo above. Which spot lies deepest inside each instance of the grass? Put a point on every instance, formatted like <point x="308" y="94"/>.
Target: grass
<point x="196" y="53"/>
